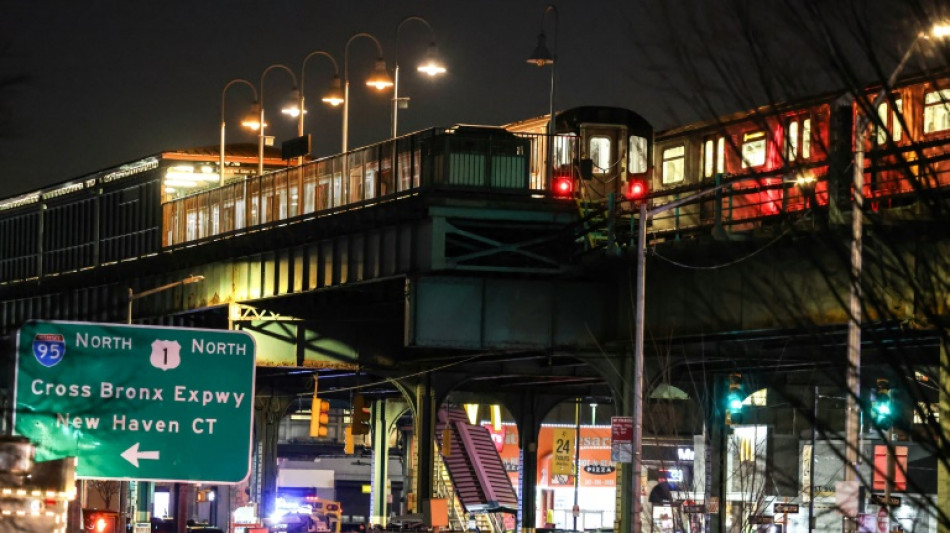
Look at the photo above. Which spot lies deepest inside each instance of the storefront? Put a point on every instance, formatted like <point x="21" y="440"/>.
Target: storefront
<point x="669" y="462"/>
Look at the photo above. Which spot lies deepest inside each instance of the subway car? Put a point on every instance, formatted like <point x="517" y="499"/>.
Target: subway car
<point x="765" y="165"/>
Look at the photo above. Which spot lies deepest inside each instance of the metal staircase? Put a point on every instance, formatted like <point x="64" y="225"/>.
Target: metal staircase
<point x="444" y="489"/>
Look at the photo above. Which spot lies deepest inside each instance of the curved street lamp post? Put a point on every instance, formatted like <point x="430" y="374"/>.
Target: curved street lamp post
<point x="333" y="96"/>
<point x="224" y="92"/>
<point x="262" y="125"/>
<point x="379" y="80"/>
<point x="432" y="66"/>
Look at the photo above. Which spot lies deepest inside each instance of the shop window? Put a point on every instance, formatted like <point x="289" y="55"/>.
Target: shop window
<point x="753" y="149"/>
<point x="637" y="155"/>
<point x="674" y="164"/>
<point x="937" y="111"/>
<point x="899" y="460"/>
<point x="927" y="412"/>
<point x="758" y="398"/>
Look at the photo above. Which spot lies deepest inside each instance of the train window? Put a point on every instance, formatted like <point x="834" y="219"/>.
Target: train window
<point x="937" y="111"/>
<point x="891" y="122"/>
<point x="753" y="149"/>
<point x="674" y="164"/>
<point x="637" y="156"/>
<point x="714" y="156"/>
<point x="599" y="149"/>
<point x="806" y="138"/>
<point x="721" y="155"/>
<point x="791" y="141"/>
<point x="563" y="151"/>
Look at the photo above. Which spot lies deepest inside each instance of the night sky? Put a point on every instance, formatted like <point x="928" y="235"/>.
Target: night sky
<point x="85" y="85"/>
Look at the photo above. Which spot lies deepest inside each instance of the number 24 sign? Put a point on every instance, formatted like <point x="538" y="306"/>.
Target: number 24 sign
<point x="563" y="457"/>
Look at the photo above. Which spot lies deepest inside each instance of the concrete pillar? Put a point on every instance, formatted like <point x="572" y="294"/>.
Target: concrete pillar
<point x="424" y="437"/>
<point x="379" y="508"/>
<point x="268" y="411"/>
<point x="145" y="496"/>
<point x="184" y="504"/>
<point x="529" y="425"/>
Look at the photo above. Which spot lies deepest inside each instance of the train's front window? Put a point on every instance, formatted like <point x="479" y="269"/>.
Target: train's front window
<point x="637" y="155"/>
<point x="563" y="151"/>
<point x="599" y="151"/>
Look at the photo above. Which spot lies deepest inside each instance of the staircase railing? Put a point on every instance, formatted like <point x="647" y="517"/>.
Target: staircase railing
<point x="444" y="489"/>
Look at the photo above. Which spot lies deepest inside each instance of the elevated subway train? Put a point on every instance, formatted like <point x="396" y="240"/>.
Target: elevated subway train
<point x="762" y="164"/>
<point x="172" y="199"/>
<point x="779" y="160"/>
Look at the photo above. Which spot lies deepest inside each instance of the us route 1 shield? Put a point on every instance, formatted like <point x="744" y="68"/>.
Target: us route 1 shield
<point x="137" y="402"/>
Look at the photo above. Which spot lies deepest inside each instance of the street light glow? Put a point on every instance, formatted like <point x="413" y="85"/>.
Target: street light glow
<point x="432" y="65"/>
<point x="940" y="30"/>
<point x="334" y="96"/>
<point x="380" y="79"/>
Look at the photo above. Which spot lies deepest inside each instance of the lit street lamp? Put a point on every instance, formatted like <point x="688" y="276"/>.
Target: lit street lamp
<point x="379" y="80"/>
<point x="541" y="57"/>
<point x="334" y="96"/>
<point x="432" y="66"/>
<point x="262" y="124"/>
<point x="224" y="93"/>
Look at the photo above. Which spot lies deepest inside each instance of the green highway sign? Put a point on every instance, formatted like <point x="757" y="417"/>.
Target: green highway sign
<point x="137" y="402"/>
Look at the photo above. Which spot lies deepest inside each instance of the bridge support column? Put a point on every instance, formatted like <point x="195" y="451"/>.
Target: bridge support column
<point x="385" y="413"/>
<point x="268" y="411"/>
<point x="145" y="496"/>
<point x="529" y="425"/>
<point x="425" y="437"/>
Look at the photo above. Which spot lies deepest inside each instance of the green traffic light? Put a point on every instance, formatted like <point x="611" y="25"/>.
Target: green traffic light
<point x="734" y="402"/>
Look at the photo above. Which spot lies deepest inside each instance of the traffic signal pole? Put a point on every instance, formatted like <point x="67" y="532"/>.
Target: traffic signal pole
<point x="635" y="382"/>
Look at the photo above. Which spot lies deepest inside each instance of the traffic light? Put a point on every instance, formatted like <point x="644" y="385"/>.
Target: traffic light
<point x="734" y="398"/>
<point x="360" y="418"/>
<point x="563" y="187"/>
<point x="882" y="405"/>
<point x="319" y="414"/>
<point x="636" y="190"/>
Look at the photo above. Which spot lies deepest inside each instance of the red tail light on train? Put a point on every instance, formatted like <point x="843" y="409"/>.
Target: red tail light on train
<point x="563" y="187"/>
<point x="636" y="190"/>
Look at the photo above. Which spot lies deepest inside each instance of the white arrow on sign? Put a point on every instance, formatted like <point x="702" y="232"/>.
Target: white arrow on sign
<point x="133" y="455"/>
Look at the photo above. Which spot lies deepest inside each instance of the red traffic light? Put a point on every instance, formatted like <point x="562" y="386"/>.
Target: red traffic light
<point x="636" y="190"/>
<point x="563" y="187"/>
